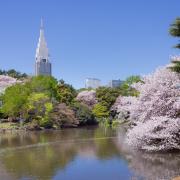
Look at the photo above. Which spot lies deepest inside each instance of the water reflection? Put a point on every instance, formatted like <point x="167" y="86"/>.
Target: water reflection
<point x="75" y="153"/>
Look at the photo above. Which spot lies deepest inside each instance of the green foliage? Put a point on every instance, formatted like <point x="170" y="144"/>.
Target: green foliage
<point x="38" y="108"/>
<point x="63" y="116"/>
<point x="107" y="96"/>
<point x="84" y="89"/>
<point x="36" y="103"/>
<point x="65" y="93"/>
<point x="83" y="114"/>
<point x="126" y="89"/>
<point x="14" y="99"/>
<point x="45" y="122"/>
<point x="100" y="111"/>
<point x="13" y="73"/>
<point x="46" y="84"/>
<point x="133" y="79"/>
<point x="175" y="30"/>
<point x="176" y="66"/>
<point x="31" y="100"/>
<point x="115" y="123"/>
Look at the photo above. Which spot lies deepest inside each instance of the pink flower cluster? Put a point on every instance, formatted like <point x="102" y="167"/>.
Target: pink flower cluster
<point x="158" y="134"/>
<point x="6" y="81"/>
<point x="156" y="112"/>
<point x="87" y="97"/>
<point x="159" y="96"/>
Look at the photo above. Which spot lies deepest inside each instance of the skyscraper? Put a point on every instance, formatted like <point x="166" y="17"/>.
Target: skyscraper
<point x="42" y="64"/>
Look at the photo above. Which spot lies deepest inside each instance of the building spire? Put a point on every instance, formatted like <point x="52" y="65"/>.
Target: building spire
<point x="42" y="49"/>
<point x="42" y="24"/>
<point x="43" y="65"/>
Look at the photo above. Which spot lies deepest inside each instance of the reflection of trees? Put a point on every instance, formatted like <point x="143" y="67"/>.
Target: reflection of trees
<point x="39" y="162"/>
<point x="155" y="166"/>
<point x="42" y="161"/>
<point x="45" y="160"/>
<point x="151" y="166"/>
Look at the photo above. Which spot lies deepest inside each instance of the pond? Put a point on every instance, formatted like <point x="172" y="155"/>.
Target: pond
<point x="80" y="154"/>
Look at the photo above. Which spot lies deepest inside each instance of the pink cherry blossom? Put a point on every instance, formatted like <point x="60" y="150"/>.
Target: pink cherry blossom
<point x="156" y="112"/>
<point x="87" y="97"/>
<point x="6" y="81"/>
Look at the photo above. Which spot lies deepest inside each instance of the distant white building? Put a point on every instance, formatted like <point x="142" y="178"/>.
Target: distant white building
<point x="92" y="83"/>
<point x="42" y="64"/>
<point x="115" y="83"/>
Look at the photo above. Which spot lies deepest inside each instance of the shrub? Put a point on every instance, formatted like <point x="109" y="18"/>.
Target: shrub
<point x="100" y="111"/>
<point x="84" y="114"/>
<point x="45" y="122"/>
<point x="63" y="116"/>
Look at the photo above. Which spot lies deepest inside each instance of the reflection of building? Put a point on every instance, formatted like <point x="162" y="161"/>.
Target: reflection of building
<point x="115" y="83"/>
<point x="42" y="65"/>
<point x="92" y="83"/>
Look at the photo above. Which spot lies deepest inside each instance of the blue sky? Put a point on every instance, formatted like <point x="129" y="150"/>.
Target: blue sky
<point x="105" y="39"/>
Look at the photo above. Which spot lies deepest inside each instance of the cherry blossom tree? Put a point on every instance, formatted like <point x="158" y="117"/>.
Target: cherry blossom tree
<point x="123" y="106"/>
<point x="159" y="96"/>
<point x="87" y="97"/>
<point x="6" y="81"/>
<point x="156" y="112"/>
<point x="158" y="134"/>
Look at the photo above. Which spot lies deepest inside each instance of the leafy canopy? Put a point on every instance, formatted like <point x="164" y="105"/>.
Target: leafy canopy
<point x="65" y="93"/>
<point x="175" y="30"/>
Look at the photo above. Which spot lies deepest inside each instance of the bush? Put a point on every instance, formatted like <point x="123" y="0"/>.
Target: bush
<point x="45" y="122"/>
<point x="63" y="116"/>
<point x="65" y="93"/>
<point x="84" y="114"/>
<point x="100" y="111"/>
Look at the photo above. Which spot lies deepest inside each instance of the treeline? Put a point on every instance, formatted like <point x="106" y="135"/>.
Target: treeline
<point x="44" y="102"/>
<point x="102" y="99"/>
<point x="13" y="73"/>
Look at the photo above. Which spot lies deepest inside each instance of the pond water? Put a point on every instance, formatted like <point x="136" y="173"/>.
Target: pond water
<point x="80" y="154"/>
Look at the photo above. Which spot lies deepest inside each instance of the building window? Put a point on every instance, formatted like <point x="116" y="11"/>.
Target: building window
<point x="44" y="60"/>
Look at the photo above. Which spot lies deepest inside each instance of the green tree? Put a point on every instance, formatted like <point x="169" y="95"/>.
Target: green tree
<point x="31" y="100"/>
<point x="14" y="99"/>
<point x="107" y="96"/>
<point x="13" y="73"/>
<point x="65" y="93"/>
<point x="83" y="114"/>
<point x="175" y="30"/>
<point x="100" y="111"/>
<point x="176" y="66"/>
<point x="133" y="79"/>
<point x="126" y="89"/>
<point x="45" y="84"/>
<point x="38" y="108"/>
<point x="63" y="116"/>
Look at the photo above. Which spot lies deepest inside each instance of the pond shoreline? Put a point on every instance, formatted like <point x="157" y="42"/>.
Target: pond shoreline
<point x="14" y="127"/>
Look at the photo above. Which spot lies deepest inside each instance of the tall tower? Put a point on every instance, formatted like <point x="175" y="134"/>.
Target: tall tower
<point x="42" y="64"/>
